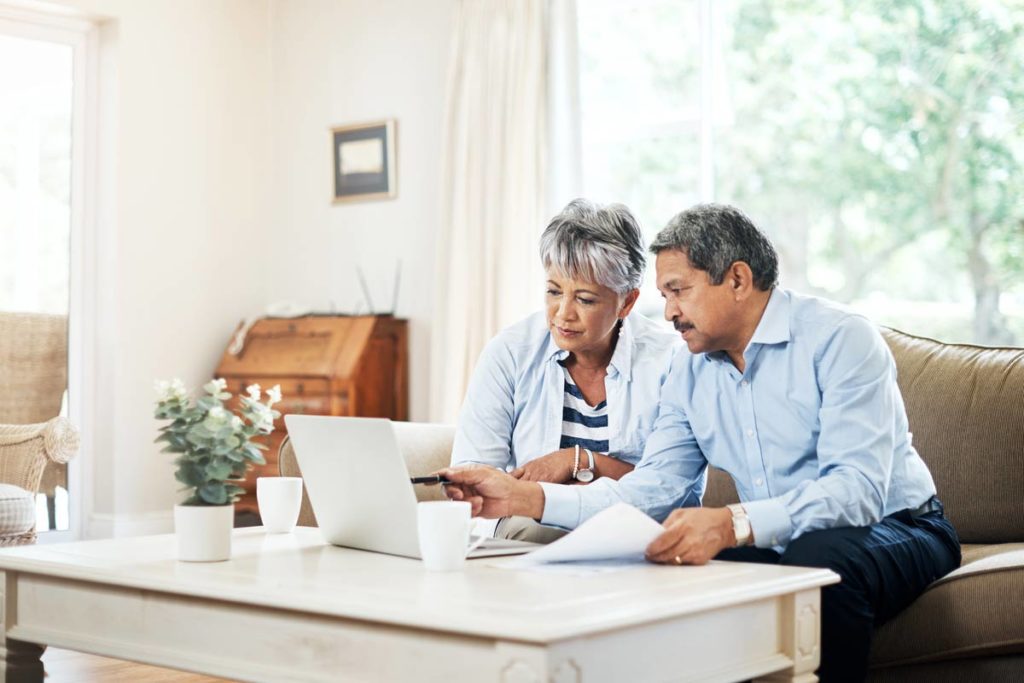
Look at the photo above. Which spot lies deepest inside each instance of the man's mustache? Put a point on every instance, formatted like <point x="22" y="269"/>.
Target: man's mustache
<point x="681" y="326"/>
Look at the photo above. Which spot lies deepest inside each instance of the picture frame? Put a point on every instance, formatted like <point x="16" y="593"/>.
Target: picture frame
<point x="364" y="159"/>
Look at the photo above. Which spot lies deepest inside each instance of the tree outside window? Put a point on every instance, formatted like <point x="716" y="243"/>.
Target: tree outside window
<point x="879" y="142"/>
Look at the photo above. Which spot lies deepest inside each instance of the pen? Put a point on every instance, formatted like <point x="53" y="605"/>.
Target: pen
<point x="433" y="479"/>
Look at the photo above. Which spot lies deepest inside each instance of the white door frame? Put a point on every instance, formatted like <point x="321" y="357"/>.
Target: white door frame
<point x="25" y="20"/>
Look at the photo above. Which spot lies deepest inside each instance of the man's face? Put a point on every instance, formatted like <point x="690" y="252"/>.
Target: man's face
<point x="702" y="312"/>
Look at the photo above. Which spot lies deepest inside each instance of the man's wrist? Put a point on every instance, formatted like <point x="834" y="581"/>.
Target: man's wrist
<point x="728" y="531"/>
<point x="742" y="534"/>
<point x="530" y="501"/>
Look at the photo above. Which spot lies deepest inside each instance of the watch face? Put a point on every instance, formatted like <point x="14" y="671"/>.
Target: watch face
<point x="586" y="476"/>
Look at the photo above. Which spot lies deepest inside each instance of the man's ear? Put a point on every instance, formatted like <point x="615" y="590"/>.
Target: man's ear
<point x="741" y="280"/>
<point x="629" y="302"/>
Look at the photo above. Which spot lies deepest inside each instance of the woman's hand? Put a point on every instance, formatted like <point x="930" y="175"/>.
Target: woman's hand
<point x="555" y="467"/>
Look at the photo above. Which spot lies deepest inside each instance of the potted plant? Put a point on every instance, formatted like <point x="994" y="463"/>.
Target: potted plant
<point x="215" y="449"/>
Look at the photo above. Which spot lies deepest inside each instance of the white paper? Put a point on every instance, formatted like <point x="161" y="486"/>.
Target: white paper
<point x="620" y="532"/>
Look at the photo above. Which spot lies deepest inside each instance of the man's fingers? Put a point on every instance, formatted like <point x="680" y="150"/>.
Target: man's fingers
<point x="518" y="472"/>
<point x="667" y="553"/>
<point x="463" y="475"/>
<point x="668" y="539"/>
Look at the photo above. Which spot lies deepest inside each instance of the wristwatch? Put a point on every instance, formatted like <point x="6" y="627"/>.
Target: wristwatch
<point x="585" y="475"/>
<point x="740" y="525"/>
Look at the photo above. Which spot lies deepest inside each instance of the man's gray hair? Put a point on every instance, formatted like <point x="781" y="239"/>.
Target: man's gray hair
<point x="714" y="236"/>
<point x="595" y="243"/>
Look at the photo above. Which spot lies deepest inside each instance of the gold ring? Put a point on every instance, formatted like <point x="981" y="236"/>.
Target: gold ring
<point x="679" y="560"/>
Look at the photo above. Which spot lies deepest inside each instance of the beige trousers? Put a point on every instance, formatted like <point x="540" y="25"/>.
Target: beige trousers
<point x="526" y="529"/>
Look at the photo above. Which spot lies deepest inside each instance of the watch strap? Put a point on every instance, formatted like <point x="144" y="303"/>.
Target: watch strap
<point x="741" y="524"/>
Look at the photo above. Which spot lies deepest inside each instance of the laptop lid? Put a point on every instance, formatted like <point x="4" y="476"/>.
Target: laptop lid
<point x="357" y="482"/>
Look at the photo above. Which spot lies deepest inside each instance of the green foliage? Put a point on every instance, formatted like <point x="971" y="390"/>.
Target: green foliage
<point x="880" y="141"/>
<point x="214" y="446"/>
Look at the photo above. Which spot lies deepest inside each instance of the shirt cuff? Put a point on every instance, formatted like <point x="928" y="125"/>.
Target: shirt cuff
<point x="561" y="505"/>
<point x="770" y="522"/>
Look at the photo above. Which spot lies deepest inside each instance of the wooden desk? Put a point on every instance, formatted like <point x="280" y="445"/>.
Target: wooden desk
<point x="355" y="366"/>
<point x="288" y="607"/>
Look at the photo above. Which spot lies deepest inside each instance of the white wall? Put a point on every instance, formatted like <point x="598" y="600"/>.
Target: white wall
<point x="336" y="62"/>
<point x="216" y="196"/>
<point x="184" y="216"/>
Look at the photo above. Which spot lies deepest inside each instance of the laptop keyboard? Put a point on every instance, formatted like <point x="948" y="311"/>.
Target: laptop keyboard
<point x="498" y="543"/>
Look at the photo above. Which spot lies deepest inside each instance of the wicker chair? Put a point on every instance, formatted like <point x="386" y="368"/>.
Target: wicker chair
<point x="34" y="445"/>
<point x="25" y="451"/>
<point x="33" y="377"/>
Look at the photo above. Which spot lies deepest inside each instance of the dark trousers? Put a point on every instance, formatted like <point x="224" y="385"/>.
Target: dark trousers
<point x="884" y="567"/>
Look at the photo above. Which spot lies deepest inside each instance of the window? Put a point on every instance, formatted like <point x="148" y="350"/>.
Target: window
<point x="876" y="142"/>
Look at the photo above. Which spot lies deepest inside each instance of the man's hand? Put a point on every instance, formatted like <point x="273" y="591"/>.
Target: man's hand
<point x="693" y="536"/>
<point x="555" y="467"/>
<point x="492" y="493"/>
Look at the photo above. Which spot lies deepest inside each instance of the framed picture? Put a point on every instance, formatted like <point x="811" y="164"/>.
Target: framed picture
<point x="364" y="161"/>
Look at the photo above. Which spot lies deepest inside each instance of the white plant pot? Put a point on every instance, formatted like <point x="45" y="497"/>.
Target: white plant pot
<point x="204" y="532"/>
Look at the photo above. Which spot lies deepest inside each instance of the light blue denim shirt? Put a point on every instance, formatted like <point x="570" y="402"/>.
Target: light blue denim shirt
<point x="814" y="431"/>
<point x="512" y="412"/>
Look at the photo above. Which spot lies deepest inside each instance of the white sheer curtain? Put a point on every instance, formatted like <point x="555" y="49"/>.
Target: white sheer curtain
<point x="494" y="184"/>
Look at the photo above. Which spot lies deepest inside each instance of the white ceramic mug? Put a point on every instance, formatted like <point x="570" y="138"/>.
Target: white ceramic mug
<point x="444" y="533"/>
<point x="279" y="499"/>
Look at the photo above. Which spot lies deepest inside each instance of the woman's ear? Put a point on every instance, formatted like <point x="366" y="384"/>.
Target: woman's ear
<point x="628" y="302"/>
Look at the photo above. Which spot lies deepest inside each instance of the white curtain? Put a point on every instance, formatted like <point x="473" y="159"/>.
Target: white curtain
<point x="494" y="186"/>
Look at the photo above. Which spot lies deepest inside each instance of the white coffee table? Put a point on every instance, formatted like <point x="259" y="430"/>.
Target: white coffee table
<point x="290" y="608"/>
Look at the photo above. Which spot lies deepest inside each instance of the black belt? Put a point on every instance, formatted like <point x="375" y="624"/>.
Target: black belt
<point x="933" y="504"/>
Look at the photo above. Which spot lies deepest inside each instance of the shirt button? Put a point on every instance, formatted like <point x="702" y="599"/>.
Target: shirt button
<point x="758" y="481"/>
<point x="775" y="541"/>
<point x="744" y="382"/>
<point x="750" y="432"/>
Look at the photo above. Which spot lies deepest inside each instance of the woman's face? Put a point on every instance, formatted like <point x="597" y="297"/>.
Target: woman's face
<point x="582" y="315"/>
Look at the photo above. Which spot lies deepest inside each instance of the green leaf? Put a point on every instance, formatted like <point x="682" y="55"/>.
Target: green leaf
<point x="218" y="471"/>
<point x="190" y="475"/>
<point x="214" y="493"/>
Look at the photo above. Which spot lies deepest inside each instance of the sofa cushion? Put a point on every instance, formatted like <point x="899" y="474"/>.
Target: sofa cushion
<point x="964" y="404"/>
<point x="967" y="613"/>
<point x="17" y="510"/>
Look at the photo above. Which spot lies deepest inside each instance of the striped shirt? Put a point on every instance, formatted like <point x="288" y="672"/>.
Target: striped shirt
<point x="582" y="424"/>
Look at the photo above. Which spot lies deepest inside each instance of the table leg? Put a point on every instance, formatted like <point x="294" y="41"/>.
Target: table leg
<point x="19" y="661"/>
<point x="801" y="637"/>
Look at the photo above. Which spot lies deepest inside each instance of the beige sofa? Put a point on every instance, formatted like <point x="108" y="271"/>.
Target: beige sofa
<point x="966" y="411"/>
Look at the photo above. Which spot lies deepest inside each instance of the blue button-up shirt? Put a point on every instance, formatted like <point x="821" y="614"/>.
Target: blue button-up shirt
<point x="512" y="412"/>
<point x="813" y="431"/>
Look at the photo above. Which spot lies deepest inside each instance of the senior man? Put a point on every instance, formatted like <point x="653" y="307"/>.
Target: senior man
<point x="794" y="397"/>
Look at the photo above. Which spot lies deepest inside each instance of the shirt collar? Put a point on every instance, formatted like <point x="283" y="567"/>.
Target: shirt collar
<point x="773" y="327"/>
<point x="622" y="356"/>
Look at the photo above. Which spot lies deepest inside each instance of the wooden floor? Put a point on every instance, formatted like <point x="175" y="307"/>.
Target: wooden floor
<point x="66" y="666"/>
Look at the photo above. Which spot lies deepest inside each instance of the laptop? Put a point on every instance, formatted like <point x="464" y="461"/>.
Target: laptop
<point x="359" y="486"/>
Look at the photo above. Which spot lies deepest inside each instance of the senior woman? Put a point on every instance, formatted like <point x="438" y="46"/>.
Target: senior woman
<point x="570" y="393"/>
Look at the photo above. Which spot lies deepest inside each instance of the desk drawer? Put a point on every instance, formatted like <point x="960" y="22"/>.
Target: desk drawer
<point x="291" y="387"/>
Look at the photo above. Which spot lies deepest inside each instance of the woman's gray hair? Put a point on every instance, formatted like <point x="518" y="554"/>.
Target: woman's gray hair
<point x="595" y="243"/>
<point x="715" y="236"/>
